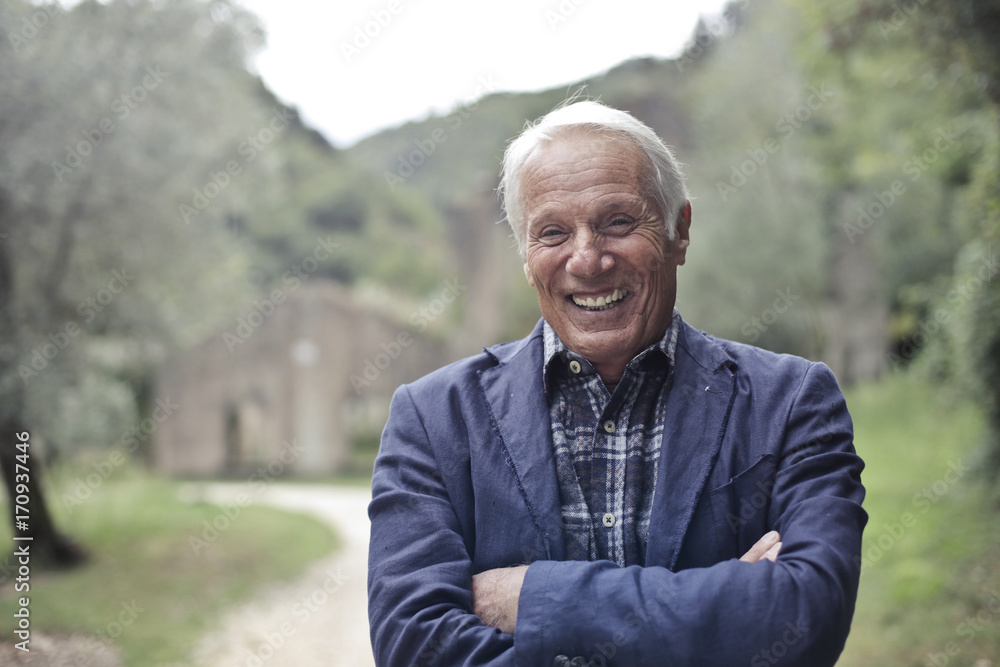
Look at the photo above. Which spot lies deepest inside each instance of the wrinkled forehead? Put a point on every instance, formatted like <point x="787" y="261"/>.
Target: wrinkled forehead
<point x="572" y="157"/>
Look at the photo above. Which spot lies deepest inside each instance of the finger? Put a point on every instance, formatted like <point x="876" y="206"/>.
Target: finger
<point x="772" y="553"/>
<point x="758" y="550"/>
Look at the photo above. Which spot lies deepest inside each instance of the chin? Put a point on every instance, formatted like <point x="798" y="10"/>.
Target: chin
<point x="600" y="347"/>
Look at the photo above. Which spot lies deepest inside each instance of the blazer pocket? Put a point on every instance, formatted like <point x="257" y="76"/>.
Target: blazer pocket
<point x="740" y="507"/>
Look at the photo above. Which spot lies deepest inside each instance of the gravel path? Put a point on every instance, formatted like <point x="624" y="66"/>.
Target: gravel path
<point x="319" y="620"/>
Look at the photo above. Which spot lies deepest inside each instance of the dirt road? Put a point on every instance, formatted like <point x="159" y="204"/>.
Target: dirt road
<point x="319" y="620"/>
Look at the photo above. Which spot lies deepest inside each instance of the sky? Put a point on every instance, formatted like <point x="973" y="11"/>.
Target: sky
<point x="355" y="67"/>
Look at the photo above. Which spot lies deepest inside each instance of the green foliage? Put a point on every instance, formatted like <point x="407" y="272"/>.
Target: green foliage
<point x="968" y="352"/>
<point x="834" y="120"/>
<point x="152" y="188"/>
<point x="925" y="79"/>
<point x="795" y="122"/>
<point x="304" y="191"/>
<point x="112" y="113"/>
<point x="758" y="229"/>
<point x="950" y="48"/>
<point x="808" y="130"/>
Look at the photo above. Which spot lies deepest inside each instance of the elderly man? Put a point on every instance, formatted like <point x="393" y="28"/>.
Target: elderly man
<point x="612" y="489"/>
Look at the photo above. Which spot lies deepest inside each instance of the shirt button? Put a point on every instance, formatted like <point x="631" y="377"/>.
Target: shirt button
<point x="609" y="426"/>
<point x="574" y="366"/>
<point x="608" y="519"/>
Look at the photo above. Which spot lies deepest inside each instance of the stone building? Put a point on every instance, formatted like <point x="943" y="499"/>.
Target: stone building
<point x="288" y="385"/>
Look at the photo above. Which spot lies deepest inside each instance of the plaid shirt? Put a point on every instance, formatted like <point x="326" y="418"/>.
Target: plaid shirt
<point x="607" y="446"/>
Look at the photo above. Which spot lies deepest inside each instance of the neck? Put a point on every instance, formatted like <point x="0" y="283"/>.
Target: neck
<point x="611" y="374"/>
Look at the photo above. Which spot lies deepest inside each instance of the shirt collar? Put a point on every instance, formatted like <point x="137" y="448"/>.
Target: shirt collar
<point x="555" y="351"/>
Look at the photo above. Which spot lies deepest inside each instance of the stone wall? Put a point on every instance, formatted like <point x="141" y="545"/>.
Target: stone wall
<point x="287" y="386"/>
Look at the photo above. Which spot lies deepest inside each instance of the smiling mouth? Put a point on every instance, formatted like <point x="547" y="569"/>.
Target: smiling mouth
<point x="601" y="302"/>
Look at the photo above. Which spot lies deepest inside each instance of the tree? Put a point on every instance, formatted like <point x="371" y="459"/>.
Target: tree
<point x="954" y="47"/>
<point x="113" y="118"/>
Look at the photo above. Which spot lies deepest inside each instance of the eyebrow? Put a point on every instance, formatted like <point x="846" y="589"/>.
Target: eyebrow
<point x="623" y="202"/>
<point x="618" y="202"/>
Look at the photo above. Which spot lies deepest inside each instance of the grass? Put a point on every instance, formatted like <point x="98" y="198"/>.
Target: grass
<point x="930" y="582"/>
<point x="139" y="534"/>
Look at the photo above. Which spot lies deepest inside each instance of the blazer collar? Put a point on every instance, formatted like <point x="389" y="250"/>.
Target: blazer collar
<point x="697" y="412"/>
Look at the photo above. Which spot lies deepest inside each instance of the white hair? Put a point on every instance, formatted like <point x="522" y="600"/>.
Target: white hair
<point x="665" y="182"/>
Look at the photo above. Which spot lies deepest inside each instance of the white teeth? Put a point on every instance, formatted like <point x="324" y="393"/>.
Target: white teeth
<point x="602" y="302"/>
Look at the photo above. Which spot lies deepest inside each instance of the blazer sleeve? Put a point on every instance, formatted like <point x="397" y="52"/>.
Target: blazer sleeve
<point x="797" y="611"/>
<point x="420" y="571"/>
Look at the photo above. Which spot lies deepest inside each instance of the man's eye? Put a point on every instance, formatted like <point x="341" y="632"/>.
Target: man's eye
<point x="550" y="233"/>
<point x="619" y="224"/>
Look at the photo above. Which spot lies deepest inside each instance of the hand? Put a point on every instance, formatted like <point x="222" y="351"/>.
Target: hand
<point x="495" y="594"/>
<point x="767" y="547"/>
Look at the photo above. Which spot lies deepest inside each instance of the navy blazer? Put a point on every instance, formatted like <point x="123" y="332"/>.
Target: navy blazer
<point x="465" y="481"/>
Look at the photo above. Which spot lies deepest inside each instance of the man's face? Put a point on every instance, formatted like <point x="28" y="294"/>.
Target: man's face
<point x="596" y="248"/>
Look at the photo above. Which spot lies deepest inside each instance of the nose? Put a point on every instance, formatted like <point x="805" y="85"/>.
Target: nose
<point x="587" y="256"/>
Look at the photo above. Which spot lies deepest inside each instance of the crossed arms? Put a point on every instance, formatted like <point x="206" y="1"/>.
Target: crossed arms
<point x="496" y="592"/>
<point x="430" y="605"/>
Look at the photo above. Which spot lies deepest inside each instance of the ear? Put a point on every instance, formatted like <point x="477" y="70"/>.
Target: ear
<point x="528" y="275"/>
<point x="683" y="238"/>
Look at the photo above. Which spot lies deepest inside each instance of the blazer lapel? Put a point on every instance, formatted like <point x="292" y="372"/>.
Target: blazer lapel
<point x="519" y="409"/>
<point x="697" y="413"/>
